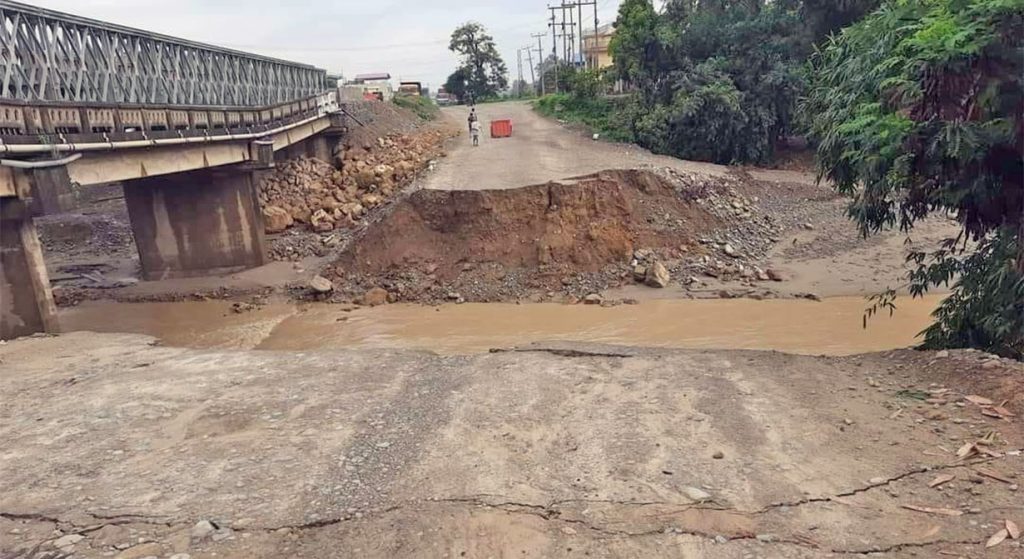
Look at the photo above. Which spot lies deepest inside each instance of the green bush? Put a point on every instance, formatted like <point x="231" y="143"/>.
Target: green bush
<point x="596" y="113"/>
<point x="424" y="107"/>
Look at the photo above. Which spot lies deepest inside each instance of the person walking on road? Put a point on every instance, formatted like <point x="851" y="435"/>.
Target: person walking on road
<point x="474" y="131"/>
<point x="472" y="118"/>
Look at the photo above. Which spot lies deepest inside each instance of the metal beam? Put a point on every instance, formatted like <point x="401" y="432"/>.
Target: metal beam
<point x="52" y="56"/>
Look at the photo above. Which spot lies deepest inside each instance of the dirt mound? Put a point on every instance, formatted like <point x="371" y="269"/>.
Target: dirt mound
<point x="370" y="120"/>
<point x="493" y="244"/>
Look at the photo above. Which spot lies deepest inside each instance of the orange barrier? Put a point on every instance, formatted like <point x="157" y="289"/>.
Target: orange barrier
<point x="501" y="128"/>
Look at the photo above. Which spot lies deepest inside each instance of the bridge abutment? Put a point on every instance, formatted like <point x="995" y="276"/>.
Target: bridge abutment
<point x="196" y="223"/>
<point x="26" y="303"/>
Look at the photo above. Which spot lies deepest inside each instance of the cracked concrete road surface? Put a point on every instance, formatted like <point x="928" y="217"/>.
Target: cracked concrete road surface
<point x="114" y="446"/>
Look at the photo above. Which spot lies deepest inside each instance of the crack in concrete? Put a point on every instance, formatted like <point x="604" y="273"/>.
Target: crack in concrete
<point x="561" y="352"/>
<point x="908" y="545"/>
<point x="550" y="512"/>
<point x="870" y="486"/>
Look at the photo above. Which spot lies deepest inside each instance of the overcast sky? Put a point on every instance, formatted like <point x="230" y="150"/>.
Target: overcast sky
<point x="408" y="38"/>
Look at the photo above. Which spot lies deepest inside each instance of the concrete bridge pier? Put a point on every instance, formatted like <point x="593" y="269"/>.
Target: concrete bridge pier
<point x="26" y="303"/>
<point x="196" y="223"/>
<point x="319" y="147"/>
<point x="51" y="191"/>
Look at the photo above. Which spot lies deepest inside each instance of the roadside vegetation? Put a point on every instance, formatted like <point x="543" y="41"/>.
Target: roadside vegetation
<point x="424" y="107"/>
<point x="596" y="113"/>
<point x="915" y="107"/>
<point x="918" y="109"/>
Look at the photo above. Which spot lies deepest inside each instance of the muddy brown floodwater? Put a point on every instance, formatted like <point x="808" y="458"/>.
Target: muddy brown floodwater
<point x="830" y="327"/>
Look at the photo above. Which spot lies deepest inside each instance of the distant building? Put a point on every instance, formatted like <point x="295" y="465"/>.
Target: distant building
<point x="376" y="85"/>
<point x="596" y="46"/>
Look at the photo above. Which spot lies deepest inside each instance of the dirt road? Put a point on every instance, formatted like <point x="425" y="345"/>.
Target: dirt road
<point x="115" y="447"/>
<point x="542" y="150"/>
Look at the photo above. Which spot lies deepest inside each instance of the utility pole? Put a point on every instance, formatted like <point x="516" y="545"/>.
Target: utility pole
<point x="578" y="4"/>
<point x="572" y="36"/>
<point x="519" y="83"/>
<point x="554" y="44"/>
<point x="596" y="43"/>
<point x="540" y="60"/>
<point x="529" y="58"/>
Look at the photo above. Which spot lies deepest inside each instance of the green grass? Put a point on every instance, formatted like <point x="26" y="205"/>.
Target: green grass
<point x="424" y="107"/>
<point x="596" y="114"/>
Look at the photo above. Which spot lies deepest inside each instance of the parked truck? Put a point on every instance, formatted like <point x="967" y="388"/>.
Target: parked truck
<point x="412" y="89"/>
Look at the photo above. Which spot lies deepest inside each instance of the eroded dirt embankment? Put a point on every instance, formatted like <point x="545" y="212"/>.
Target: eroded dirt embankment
<point x="499" y="244"/>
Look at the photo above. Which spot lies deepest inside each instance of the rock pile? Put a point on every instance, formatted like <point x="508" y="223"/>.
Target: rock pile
<point x="314" y="193"/>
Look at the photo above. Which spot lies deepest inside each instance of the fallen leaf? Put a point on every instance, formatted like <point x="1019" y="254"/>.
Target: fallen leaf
<point x="994" y="475"/>
<point x="1012" y="529"/>
<point x="1003" y="411"/>
<point x="966" y="450"/>
<point x="980" y="400"/>
<point x="997" y="538"/>
<point x="931" y="510"/>
<point x="944" y="478"/>
<point x="990" y="413"/>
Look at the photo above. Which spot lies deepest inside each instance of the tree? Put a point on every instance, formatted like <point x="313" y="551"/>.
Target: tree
<point x="920" y="109"/>
<point x="716" y="80"/>
<point x="456" y="84"/>
<point x="635" y="47"/>
<point x="484" y="71"/>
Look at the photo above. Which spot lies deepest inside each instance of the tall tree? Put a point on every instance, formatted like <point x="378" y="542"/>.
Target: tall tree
<point x="919" y="109"/>
<point x="635" y="47"/>
<point x="484" y="70"/>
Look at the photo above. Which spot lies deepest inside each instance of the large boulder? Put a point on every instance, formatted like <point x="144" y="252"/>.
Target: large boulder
<point x="321" y="284"/>
<point x="375" y="297"/>
<point x="276" y="219"/>
<point x="657" y="275"/>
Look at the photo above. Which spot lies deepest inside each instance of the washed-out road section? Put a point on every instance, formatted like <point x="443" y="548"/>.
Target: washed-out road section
<point x="113" y="445"/>
<point x="542" y="150"/>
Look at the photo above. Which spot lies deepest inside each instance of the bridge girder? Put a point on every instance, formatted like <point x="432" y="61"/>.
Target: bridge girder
<point x="52" y="56"/>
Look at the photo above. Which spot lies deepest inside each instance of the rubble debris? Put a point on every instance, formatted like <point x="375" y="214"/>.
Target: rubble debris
<point x="317" y="194"/>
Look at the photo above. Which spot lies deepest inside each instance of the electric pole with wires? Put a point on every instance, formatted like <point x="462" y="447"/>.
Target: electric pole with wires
<point x="540" y="60"/>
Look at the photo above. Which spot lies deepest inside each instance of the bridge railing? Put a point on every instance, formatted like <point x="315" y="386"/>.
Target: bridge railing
<point x="57" y="57"/>
<point x="37" y="128"/>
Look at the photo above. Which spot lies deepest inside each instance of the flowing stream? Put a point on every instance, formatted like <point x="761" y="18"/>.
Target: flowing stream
<point x="831" y="327"/>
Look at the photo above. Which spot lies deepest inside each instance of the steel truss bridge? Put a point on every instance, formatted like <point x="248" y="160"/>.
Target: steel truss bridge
<point x="68" y="82"/>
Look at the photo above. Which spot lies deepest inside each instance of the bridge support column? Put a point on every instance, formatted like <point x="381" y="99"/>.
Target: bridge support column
<point x="196" y="223"/>
<point x="319" y="147"/>
<point x="26" y="303"/>
<point x="51" y="191"/>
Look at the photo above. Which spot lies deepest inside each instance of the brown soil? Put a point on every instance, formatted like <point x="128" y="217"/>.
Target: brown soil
<point x="544" y="231"/>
